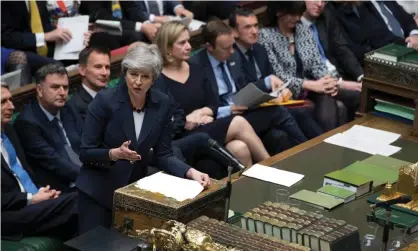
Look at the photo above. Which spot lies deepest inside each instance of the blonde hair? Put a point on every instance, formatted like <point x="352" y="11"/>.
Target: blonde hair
<point x="145" y="58"/>
<point x="166" y="37"/>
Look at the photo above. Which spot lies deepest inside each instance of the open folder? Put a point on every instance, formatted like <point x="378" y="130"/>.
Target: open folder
<point x="251" y="96"/>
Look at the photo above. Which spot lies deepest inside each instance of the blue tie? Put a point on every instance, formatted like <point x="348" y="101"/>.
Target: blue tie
<point x="318" y="42"/>
<point x="21" y="173"/>
<point x="393" y="23"/>
<point x="225" y="77"/>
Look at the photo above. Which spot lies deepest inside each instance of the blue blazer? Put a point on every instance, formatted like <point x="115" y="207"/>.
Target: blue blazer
<point x="262" y="60"/>
<point x="44" y="150"/>
<point x="235" y="69"/>
<point x="109" y="123"/>
<point x="168" y="8"/>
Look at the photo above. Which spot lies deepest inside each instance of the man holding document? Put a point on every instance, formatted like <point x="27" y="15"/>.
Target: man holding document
<point x="222" y="70"/>
<point x="256" y="65"/>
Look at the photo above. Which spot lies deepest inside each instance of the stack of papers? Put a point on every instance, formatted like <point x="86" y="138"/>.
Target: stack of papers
<point x="170" y="186"/>
<point x="273" y="175"/>
<point x="366" y="139"/>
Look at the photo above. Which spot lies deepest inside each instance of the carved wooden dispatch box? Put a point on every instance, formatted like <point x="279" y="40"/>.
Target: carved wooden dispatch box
<point x="394" y="79"/>
<point x="137" y="209"/>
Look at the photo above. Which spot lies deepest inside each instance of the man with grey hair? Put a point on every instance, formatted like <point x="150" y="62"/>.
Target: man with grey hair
<point x="50" y="131"/>
<point x="122" y="126"/>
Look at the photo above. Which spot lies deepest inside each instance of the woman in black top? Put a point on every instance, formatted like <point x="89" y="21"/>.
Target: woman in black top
<point x="184" y="83"/>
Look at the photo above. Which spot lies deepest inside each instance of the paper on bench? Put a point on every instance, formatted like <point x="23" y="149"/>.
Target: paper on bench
<point x="383" y="137"/>
<point x="192" y="26"/>
<point x="170" y="186"/>
<point x="362" y="144"/>
<point x="273" y="175"/>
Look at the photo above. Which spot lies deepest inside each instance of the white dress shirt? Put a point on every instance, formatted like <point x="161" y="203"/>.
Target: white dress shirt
<point x="138" y="121"/>
<point x="89" y="90"/>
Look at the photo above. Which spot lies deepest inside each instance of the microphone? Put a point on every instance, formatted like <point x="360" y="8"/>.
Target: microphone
<point x="400" y="200"/>
<point x="215" y="146"/>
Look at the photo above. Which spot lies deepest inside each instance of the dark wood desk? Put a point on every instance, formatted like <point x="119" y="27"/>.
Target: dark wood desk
<point x="316" y="158"/>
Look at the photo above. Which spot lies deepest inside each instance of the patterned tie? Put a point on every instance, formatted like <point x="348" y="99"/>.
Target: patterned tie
<point x="16" y="168"/>
<point x="393" y="23"/>
<point x="36" y="25"/>
<point x="153" y="8"/>
<point x="116" y="9"/>
<point x="70" y="152"/>
<point x="318" y="43"/>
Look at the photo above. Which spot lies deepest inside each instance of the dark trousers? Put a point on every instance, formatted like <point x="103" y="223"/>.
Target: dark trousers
<point x="56" y="217"/>
<point x="332" y="112"/>
<point x="305" y="118"/>
<point x="92" y="214"/>
<point x="276" y="118"/>
<point x="196" y="152"/>
<point x="103" y="39"/>
<point x="36" y="61"/>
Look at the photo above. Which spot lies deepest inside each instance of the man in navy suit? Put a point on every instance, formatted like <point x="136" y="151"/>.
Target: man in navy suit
<point x="25" y="209"/>
<point x="158" y="11"/>
<point x="256" y="65"/>
<point x="50" y="131"/>
<point x="222" y="69"/>
<point x="393" y="16"/>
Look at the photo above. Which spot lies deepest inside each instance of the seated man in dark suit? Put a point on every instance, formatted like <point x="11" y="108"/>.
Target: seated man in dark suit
<point x="124" y="11"/>
<point x="158" y="11"/>
<point x="50" y="131"/>
<point x="222" y="68"/>
<point x="25" y="209"/>
<point x="362" y="30"/>
<point x="393" y="16"/>
<point x="256" y="65"/>
<point x="94" y="69"/>
<point x="335" y="53"/>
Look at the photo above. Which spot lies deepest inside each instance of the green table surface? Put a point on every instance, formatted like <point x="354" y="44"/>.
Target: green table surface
<point x="314" y="162"/>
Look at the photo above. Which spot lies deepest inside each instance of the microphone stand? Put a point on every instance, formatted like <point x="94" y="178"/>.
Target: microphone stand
<point x="385" y="237"/>
<point x="228" y="193"/>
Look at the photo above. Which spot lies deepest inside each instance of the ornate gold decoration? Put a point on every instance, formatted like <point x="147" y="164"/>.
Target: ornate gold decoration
<point x="407" y="184"/>
<point x="175" y="236"/>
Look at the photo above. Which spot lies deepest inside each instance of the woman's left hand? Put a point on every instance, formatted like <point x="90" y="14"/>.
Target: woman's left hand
<point x="200" y="177"/>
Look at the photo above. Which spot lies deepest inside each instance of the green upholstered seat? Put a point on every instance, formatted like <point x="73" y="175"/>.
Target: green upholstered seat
<point x="34" y="244"/>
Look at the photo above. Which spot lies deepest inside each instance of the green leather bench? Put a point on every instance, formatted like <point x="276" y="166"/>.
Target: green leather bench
<point x="40" y="243"/>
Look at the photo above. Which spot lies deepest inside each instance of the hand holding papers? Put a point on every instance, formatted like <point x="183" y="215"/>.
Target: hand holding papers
<point x="365" y="139"/>
<point x="273" y="175"/>
<point x="170" y="186"/>
<point x="250" y="96"/>
<point x="78" y="26"/>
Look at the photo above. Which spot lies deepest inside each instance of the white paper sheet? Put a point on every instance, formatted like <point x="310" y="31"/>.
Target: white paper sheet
<point x="362" y="144"/>
<point x="78" y="26"/>
<point x="170" y="186"/>
<point x="273" y="175"/>
<point x="192" y="26"/>
<point x="383" y="137"/>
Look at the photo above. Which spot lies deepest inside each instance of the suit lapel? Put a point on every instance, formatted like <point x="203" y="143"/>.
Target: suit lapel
<point x="246" y="64"/>
<point x="258" y="56"/>
<point x="322" y="33"/>
<point x="210" y="75"/>
<point x="126" y="115"/>
<point x="85" y="96"/>
<point x="151" y="118"/>
<point x="5" y="166"/>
